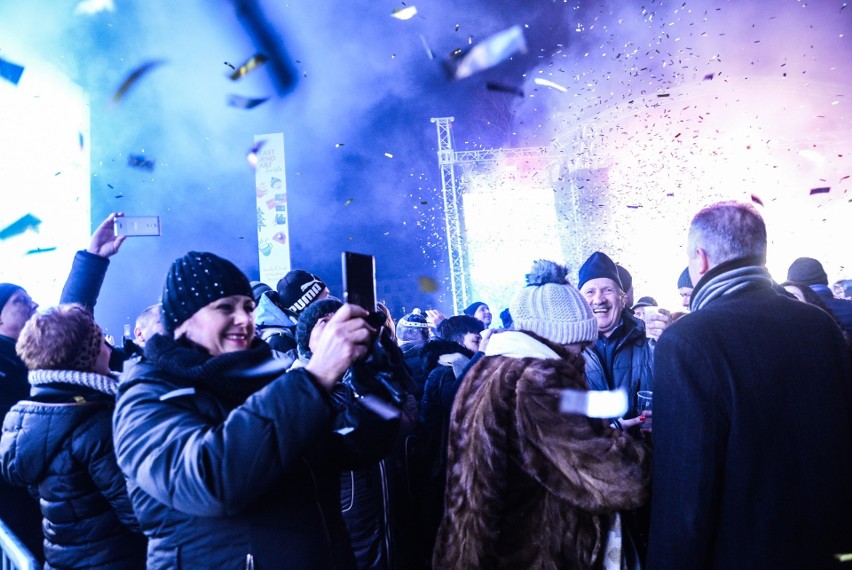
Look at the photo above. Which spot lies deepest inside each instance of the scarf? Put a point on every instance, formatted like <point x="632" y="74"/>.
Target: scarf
<point x="92" y="380"/>
<point x="232" y="376"/>
<point x="516" y="344"/>
<point x="729" y="277"/>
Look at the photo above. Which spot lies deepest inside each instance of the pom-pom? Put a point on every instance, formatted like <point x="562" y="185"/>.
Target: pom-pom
<point x="545" y="271"/>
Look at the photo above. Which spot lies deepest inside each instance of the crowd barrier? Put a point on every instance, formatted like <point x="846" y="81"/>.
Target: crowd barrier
<point x="13" y="554"/>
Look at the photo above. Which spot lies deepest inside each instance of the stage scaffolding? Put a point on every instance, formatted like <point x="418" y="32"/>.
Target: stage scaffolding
<point x="452" y="185"/>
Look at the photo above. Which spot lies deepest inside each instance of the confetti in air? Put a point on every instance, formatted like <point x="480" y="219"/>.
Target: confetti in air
<point x="427" y="284"/>
<point x="11" y="72"/>
<point x="134" y="77"/>
<point x="253" y="63"/>
<point x="240" y="102"/>
<point x="551" y="84"/>
<point x="404" y="13"/>
<point x="140" y="162"/>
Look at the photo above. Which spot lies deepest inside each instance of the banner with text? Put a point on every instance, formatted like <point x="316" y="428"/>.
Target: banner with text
<point x="273" y="234"/>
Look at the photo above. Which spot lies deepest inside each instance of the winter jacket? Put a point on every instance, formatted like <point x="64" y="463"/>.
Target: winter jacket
<point x="842" y="308"/>
<point x="17" y="508"/>
<point x="527" y="486"/>
<point x="59" y="442"/>
<point x="433" y="432"/>
<point x="422" y="358"/>
<point x="232" y="463"/>
<point x="752" y="432"/>
<point x="632" y="363"/>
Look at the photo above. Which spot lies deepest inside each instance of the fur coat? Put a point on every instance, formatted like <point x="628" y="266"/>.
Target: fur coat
<point x="528" y="487"/>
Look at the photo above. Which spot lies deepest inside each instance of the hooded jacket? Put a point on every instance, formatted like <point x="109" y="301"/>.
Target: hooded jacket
<point x="527" y="486"/>
<point x="59" y="443"/>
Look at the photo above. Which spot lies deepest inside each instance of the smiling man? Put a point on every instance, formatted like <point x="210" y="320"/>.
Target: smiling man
<point x="622" y="355"/>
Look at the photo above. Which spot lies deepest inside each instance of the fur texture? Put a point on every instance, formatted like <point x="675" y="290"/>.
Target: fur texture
<point x="528" y="487"/>
<point x="544" y="271"/>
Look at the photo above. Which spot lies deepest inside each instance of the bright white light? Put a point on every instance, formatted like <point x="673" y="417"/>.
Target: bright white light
<point x="45" y="139"/>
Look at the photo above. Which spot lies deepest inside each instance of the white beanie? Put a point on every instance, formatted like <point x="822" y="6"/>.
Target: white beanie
<point x="552" y="308"/>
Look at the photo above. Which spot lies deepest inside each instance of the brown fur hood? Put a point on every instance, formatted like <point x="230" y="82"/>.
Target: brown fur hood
<point x="528" y="487"/>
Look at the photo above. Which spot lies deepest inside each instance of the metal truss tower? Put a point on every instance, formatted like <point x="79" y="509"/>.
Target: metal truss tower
<point x="448" y="158"/>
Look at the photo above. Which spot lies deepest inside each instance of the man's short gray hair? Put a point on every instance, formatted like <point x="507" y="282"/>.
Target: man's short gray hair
<point x="728" y="230"/>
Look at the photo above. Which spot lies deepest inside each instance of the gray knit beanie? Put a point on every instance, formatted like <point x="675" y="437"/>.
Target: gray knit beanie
<point x="553" y="308"/>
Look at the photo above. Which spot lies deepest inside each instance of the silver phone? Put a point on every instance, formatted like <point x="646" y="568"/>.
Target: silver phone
<point x="137" y="226"/>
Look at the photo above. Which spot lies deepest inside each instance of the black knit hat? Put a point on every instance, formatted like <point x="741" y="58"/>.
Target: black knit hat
<point x="6" y="292"/>
<point x="597" y="266"/>
<point x="645" y="302"/>
<point x="624" y="277"/>
<point x="308" y="320"/>
<point x="196" y="280"/>
<point x="298" y="289"/>
<point x="471" y="309"/>
<point x="807" y="270"/>
<point x="684" y="280"/>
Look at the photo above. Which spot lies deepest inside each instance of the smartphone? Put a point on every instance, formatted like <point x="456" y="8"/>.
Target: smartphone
<point x="359" y="280"/>
<point x="137" y="226"/>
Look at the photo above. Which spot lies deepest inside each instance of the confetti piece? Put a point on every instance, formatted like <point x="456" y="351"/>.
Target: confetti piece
<point x="427" y="284"/>
<point x="338" y="145"/>
<point x="457" y="27"/>
<point x="11" y="72"/>
<point x="253" y="63"/>
<point x="494" y="86"/>
<point x="90" y="7"/>
<point x="241" y="102"/>
<point x="662" y="94"/>
<point x="489" y="52"/>
<point x="820" y="190"/>
<point x="134" y="76"/>
<point x="349" y="201"/>
<point x="429" y="53"/>
<point x="709" y="76"/>
<point x="404" y="13"/>
<point x="389" y="155"/>
<point x="58" y="173"/>
<point x="24" y="223"/>
<point x="229" y="65"/>
<point x="140" y="162"/>
<point x="40" y="250"/>
<point x="251" y="156"/>
<point x="756" y="199"/>
<point x="547" y="83"/>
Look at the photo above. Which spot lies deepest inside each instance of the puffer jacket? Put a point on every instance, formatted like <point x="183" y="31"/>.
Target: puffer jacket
<point x="632" y="366"/>
<point x="232" y="463"/>
<point x="59" y="443"/>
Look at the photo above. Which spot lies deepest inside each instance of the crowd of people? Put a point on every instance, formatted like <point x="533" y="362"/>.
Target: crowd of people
<point x="246" y="426"/>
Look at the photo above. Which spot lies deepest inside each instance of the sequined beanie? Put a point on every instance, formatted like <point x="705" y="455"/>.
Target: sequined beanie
<point x="196" y="280"/>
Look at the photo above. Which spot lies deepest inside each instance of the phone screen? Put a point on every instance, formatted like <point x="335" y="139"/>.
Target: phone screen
<point x="137" y="226"/>
<point x="359" y="280"/>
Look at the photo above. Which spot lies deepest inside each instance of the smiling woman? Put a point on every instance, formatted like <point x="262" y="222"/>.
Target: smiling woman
<point x="232" y="461"/>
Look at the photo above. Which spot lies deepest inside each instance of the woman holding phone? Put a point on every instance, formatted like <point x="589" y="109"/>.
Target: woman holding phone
<point x="232" y="463"/>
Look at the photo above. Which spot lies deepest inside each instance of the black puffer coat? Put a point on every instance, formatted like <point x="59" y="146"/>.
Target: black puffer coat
<point x="60" y="444"/>
<point x="232" y="464"/>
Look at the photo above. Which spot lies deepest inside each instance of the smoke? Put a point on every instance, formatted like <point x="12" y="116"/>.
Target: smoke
<point x="361" y="167"/>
